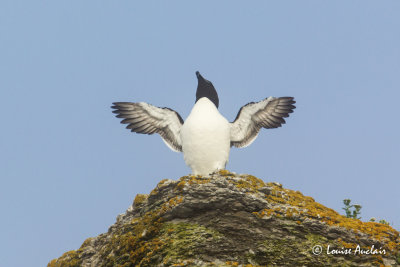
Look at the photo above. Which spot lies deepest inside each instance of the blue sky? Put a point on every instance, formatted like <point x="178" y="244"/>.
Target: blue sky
<point x="68" y="168"/>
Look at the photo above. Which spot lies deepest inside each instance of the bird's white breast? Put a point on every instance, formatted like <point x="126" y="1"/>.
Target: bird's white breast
<point x="205" y="138"/>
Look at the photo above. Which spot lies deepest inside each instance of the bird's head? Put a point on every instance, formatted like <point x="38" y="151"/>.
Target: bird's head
<point x="206" y="89"/>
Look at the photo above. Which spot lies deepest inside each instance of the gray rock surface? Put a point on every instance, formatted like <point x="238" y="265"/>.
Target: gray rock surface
<point x="227" y="219"/>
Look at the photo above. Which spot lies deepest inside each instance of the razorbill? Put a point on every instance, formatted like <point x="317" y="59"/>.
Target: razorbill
<point x="205" y="138"/>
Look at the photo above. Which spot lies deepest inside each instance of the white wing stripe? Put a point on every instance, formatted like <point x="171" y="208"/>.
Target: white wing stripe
<point x="148" y="119"/>
<point x="268" y="113"/>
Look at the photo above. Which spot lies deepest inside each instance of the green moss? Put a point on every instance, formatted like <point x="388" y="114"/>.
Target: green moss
<point x="135" y="243"/>
<point x="315" y="239"/>
<point x="184" y="239"/>
<point x="294" y="252"/>
<point x="150" y="242"/>
<point x="276" y="250"/>
<point x="138" y="243"/>
<point x="147" y="240"/>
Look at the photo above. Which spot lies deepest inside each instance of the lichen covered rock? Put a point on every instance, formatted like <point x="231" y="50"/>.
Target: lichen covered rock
<point x="227" y="219"/>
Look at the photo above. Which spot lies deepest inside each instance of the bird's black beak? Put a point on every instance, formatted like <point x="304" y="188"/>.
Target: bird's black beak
<point x="199" y="75"/>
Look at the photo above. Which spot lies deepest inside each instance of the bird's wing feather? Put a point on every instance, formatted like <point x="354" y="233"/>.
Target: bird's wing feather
<point x="148" y="119"/>
<point x="268" y="113"/>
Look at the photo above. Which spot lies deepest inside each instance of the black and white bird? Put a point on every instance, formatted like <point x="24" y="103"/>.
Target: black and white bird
<point x="205" y="137"/>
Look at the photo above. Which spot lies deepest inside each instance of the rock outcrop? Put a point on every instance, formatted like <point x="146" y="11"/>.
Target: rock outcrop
<point x="227" y="219"/>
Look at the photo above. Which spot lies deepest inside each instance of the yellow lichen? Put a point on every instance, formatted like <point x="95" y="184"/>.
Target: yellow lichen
<point x="86" y="242"/>
<point x="179" y="264"/>
<point x="159" y="185"/>
<point x="225" y="173"/>
<point x="68" y="259"/>
<point x="180" y="185"/>
<point x="162" y="182"/>
<point x="182" y="263"/>
<point x="309" y="208"/>
<point x="249" y="182"/>
<point x="139" y="199"/>
<point x="172" y="203"/>
<point x="346" y="245"/>
<point x="139" y="240"/>
<point x="191" y="180"/>
<point x="198" y="180"/>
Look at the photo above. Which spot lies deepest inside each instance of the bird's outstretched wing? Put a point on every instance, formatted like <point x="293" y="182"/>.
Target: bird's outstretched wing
<point x="268" y="113"/>
<point x="148" y="119"/>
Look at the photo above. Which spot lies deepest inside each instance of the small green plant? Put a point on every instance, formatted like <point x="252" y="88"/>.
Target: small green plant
<point x="352" y="211"/>
<point x="373" y="219"/>
<point x="384" y="222"/>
